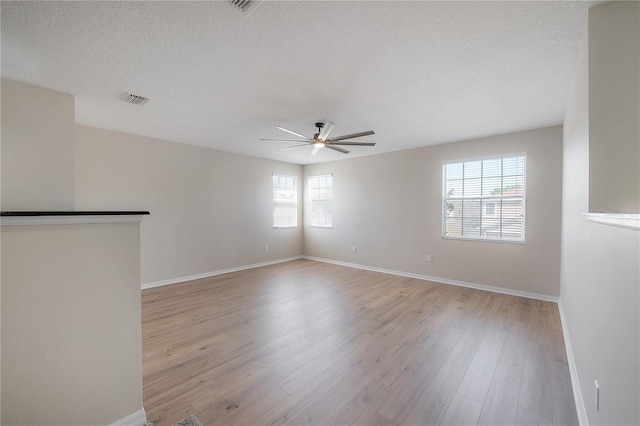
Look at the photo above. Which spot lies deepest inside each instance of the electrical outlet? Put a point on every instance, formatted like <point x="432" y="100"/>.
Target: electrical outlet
<point x="428" y="258"/>
<point x="266" y="247"/>
<point x="597" y="395"/>
<point x="354" y="249"/>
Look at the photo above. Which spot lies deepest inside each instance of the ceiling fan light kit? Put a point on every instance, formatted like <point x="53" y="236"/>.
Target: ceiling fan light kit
<point x="322" y="140"/>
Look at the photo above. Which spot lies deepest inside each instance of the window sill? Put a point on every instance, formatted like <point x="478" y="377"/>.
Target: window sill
<point x="621" y="220"/>
<point x="484" y="240"/>
<point x="320" y="226"/>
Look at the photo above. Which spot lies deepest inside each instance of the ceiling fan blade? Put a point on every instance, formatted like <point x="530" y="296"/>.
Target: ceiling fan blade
<point x="326" y="129"/>
<point x="293" y="133"/>
<point x="337" y="148"/>
<point x="353" y="143"/>
<point x="352" y="135"/>
<point x="294" y="146"/>
<point x="315" y="150"/>
<point x="282" y="140"/>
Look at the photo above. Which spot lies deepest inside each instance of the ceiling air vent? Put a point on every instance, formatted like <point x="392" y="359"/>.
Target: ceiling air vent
<point x="135" y="99"/>
<point x="240" y="4"/>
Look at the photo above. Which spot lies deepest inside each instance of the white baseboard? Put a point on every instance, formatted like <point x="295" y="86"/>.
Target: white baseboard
<point x="501" y="290"/>
<point x="214" y="273"/>
<point x="139" y="418"/>
<point x="573" y="371"/>
<point x="511" y="292"/>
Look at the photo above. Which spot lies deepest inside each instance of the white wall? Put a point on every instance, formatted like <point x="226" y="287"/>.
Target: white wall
<point x="71" y="352"/>
<point x="614" y="90"/>
<point x="37" y="148"/>
<point x="389" y="206"/>
<point x="210" y="210"/>
<point x="600" y="272"/>
<point x="71" y="331"/>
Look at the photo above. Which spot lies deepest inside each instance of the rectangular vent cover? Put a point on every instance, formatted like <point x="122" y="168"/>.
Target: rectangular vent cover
<point x="240" y="4"/>
<point x="135" y="99"/>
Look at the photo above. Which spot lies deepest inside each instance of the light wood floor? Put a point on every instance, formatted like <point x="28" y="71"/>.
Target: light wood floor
<point x="306" y="342"/>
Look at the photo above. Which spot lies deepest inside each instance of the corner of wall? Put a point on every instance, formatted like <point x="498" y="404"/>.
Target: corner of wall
<point x="139" y="418"/>
<point x="575" y="381"/>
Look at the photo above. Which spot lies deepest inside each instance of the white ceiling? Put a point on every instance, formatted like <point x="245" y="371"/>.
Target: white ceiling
<point x="417" y="73"/>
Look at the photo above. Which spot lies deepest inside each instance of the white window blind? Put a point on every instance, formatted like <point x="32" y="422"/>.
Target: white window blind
<point x="485" y="199"/>
<point x="321" y="190"/>
<point x="285" y="201"/>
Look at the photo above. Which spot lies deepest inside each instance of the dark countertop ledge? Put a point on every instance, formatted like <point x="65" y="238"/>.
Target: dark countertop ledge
<point x="74" y="213"/>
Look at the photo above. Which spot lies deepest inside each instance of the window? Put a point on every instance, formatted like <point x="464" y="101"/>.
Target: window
<point x="321" y="190"/>
<point x="484" y="199"/>
<point x="285" y="201"/>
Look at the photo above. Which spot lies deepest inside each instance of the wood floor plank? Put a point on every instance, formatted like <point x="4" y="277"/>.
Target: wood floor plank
<point x="527" y="418"/>
<point x="501" y="404"/>
<point x="464" y="351"/>
<point x="362" y="408"/>
<point x="564" y="407"/>
<point x="290" y="409"/>
<point x="409" y="386"/>
<point x="462" y="411"/>
<point x="329" y="403"/>
<point x="257" y="402"/>
<point x="431" y="404"/>
<point x="306" y="342"/>
<point x="515" y="346"/>
<point x="477" y="379"/>
<point x="535" y="393"/>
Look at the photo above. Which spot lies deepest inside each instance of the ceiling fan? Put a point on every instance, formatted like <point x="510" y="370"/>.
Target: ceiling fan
<point x="322" y="140"/>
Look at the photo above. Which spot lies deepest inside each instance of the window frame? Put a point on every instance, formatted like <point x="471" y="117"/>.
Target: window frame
<point x="273" y="199"/>
<point x="486" y="199"/>
<point x="312" y="200"/>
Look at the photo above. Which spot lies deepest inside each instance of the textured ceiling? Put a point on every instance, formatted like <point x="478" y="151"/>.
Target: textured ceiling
<point x="418" y="73"/>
